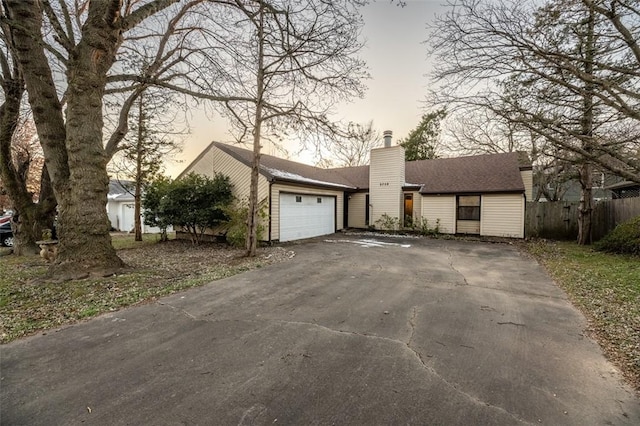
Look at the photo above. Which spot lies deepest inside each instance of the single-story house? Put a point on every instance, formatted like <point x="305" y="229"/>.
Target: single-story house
<point x="121" y="208"/>
<point x="483" y="194"/>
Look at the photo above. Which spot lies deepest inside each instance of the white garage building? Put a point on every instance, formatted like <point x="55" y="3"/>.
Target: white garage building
<point x="121" y="208"/>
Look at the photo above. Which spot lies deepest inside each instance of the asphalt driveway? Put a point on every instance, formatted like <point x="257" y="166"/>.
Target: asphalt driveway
<point x="384" y="331"/>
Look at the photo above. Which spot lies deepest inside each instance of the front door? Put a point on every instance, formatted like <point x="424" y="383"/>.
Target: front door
<point x="408" y="210"/>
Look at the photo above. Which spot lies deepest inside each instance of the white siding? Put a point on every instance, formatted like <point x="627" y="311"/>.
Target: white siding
<point x="214" y="160"/>
<point x="127" y="216"/>
<point x="116" y="210"/>
<point x="468" y="227"/>
<point x="502" y="215"/>
<point x="442" y="207"/>
<point x="112" y="212"/>
<point x="357" y="210"/>
<point x="386" y="179"/>
<point x="527" y="179"/>
<point x="276" y="188"/>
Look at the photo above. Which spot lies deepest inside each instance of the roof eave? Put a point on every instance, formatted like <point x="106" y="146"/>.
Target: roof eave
<point x="222" y="147"/>
<point x="313" y="184"/>
<point x="490" y="191"/>
<point x="412" y="187"/>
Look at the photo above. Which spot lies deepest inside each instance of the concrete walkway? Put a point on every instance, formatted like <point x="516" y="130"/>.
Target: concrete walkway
<point x="353" y="330"/>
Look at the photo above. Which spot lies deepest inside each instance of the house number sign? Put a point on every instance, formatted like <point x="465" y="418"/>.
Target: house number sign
<point x="384" y="183"/>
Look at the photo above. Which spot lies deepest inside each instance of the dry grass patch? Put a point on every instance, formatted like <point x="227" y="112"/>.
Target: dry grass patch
<point x="29" y="304"/>
<point x="606" y="288"/>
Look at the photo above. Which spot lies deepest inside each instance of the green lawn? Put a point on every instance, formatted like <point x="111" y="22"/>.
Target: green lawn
<point x="606" y="288"/>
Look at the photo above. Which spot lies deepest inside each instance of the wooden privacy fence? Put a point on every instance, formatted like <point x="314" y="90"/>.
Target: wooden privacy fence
<point x="559" y="220"/>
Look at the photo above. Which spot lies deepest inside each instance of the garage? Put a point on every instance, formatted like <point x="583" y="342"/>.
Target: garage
<point x="306" y="216"/>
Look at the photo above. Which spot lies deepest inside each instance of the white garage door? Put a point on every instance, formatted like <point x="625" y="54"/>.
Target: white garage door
<point x="306" y="216"/>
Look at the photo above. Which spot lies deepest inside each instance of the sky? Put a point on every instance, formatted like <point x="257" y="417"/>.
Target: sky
<point x="397" y="60"/>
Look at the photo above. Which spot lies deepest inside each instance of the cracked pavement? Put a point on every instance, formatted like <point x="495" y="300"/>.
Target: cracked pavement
<point x="349" y="331"/>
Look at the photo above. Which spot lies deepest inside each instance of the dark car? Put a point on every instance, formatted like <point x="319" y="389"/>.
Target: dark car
<point x="6" y="234"/>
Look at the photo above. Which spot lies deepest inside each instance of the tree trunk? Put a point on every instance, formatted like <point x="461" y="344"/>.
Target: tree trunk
<point x="74" y="155"/>
<point x="586" y="169"/>
<point x="252" y="219"/>
<point x="139" y="155"/>
<point x="137" y="222"/>
<point x="585" y="207"/>
<point x="30" y="218"/>
<point x="84" y="224"/>
<point x="31" y="223"/>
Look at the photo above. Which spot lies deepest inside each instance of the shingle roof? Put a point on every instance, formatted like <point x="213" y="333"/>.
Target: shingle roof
<point x="275" y="168"/>
<point x="474" y="174"/>
<point x="121" y="188"/>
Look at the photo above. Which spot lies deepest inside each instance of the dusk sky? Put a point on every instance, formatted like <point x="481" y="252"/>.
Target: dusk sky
<point x="397" y="60"/>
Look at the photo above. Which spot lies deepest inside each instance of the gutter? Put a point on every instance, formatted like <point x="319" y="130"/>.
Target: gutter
<point x="328" y="185"/>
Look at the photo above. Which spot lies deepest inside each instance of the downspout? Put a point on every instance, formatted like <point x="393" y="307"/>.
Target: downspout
<point x="270" y="204"/>
<point x="524" y="215"/>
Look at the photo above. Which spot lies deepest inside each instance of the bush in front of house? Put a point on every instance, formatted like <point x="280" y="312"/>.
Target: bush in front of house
<point x="238" y="214"/>
<point x="423" y="227"/>
<point x="624" y="239"/>
<point x="194" y="203"/>
<point x="153" y="206"/>
<point x="388" y="223"/>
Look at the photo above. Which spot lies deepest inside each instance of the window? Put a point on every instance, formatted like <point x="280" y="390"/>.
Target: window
<point x="319" y="200"/>
<point x="468" y="207"/>
<point x="298" y="198"/>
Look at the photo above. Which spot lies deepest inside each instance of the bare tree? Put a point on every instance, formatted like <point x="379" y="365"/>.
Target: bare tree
<point x="74" y="54"/>
<point x="512" y="56"/>
<point x="79" y="59"/>
<point x="152" y="139"/>
<point x="564" y="71"/>
<point x="34" y="213"/>
<point x="27" y="157"/>
<point x="349" y="148"/>
<point x="476" y="130"/>
<point x="293" y="61"/>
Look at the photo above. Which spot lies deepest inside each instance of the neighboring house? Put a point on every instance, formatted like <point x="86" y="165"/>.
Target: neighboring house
<point x="571" y="190"/>
<point x="121" y="207"/>
<point x="625" y="189"/>
<point x="483" y="195"/>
